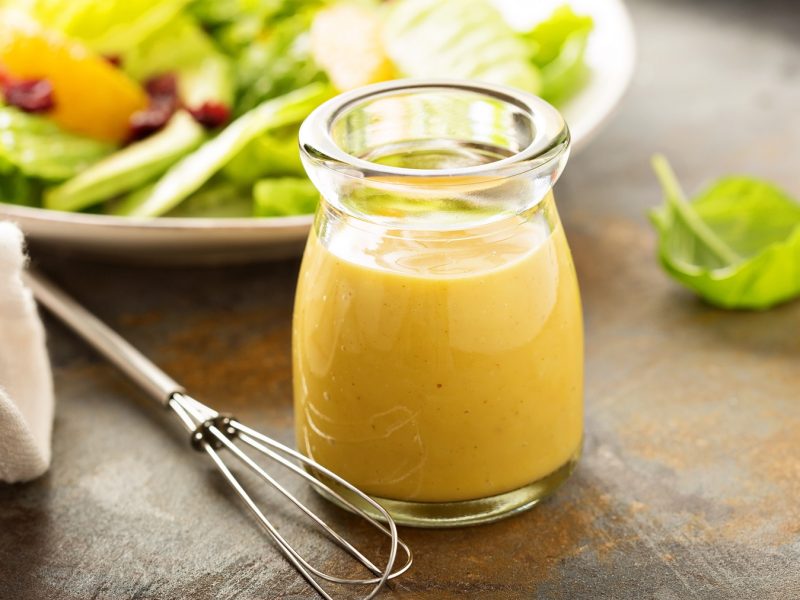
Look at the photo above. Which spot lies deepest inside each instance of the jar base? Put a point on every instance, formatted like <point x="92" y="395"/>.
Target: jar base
<point x="464" y="512"/>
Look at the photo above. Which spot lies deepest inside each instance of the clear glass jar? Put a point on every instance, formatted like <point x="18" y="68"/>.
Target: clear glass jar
<point x="437" y="335"/>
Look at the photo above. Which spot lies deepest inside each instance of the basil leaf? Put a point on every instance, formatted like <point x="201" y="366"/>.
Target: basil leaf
<point x="737" y="244"/>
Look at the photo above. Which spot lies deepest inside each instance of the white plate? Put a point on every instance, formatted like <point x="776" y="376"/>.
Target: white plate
<point x="610" y="56"/>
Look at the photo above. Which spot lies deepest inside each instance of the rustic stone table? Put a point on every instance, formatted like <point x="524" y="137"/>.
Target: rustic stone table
<point x="690" y="483"/>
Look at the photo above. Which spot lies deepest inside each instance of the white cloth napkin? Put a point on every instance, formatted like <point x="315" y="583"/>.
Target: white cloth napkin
<point x="26" y="383"/>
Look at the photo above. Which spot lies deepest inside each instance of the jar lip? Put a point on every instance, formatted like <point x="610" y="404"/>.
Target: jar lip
<point x="551" y="137"/>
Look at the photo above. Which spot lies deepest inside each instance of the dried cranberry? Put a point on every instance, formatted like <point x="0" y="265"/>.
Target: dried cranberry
<point x="163" y="86"/>
<point x="211" y="114"/>
<point x="146" y="122"/>
<point x="163" y="94"/>
<point x="115" y="60"/>
<point x="31" y="95"/>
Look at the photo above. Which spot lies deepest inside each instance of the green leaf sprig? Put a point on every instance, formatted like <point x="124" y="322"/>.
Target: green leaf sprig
<point x="737" y="244"/>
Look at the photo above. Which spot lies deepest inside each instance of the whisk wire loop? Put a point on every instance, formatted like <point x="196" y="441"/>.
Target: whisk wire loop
<point x="200" y="438"/>
<point x="212" y="432"/>
<point x="316" y="482"/>
<point x="265" y="445"/>
<point x="335" y="536"/>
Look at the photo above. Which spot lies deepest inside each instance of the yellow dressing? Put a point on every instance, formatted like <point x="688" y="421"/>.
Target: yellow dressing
<point x="439" y="370"/>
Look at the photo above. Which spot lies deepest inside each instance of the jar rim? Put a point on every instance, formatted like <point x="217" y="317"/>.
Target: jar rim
<point x="550" y="139"/>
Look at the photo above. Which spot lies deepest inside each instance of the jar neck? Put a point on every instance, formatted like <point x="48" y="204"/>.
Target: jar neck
<point x="331" y="221"/>
<point x="434" y="155"/>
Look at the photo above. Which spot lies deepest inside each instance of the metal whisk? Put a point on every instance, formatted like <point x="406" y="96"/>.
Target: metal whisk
<point x="211" y="432"/>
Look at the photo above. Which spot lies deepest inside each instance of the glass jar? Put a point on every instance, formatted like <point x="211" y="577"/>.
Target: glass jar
<point x="437" y="335"/>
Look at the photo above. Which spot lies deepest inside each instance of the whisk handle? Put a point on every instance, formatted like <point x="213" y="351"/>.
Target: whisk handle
<point x="106" y="341"/>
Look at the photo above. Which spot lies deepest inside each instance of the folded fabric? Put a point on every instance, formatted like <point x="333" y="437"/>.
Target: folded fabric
<point x="26" y="383"/>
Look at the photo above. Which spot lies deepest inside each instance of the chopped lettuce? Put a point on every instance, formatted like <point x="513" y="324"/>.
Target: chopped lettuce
<point x="464" y="39"/>
<point x="224" y="12"/>
<point x="126" y="206"/>
<point x="110" y="26"/>
<point x="267" y="42"/>
<point x="184" y="48"/>
<point x="217" y="199"/>
<point x="285" y="48"/>
<point x="567" y="73"/>
<point x="132" y="166"/>
<point x="547" y="39"/>
<point x="16" y="187"/>
<point x="557" y="48"/>
<point x="39" y="148"/>
<point x="269" y="155"/>
<point x="284" y="196"/>
<point x="188" y="175"/>
<point x="237" y="23"/>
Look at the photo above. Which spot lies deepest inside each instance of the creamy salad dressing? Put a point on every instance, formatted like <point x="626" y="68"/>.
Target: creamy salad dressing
<point x="440" y="370"/>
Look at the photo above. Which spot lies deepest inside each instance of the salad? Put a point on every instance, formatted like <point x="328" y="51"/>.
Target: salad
<point x="149" y="108"/>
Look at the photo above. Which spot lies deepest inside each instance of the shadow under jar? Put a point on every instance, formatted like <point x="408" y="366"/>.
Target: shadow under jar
<point x="437" y="335"/>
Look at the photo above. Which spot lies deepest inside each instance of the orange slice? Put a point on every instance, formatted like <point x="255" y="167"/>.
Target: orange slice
<point x="346" y="43"/>
<point x="92" y="97"/>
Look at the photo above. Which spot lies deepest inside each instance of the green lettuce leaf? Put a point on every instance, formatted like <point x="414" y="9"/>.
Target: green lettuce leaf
<point x="269" y="155"/>
<point x="17" y="188"/>
<point x="130" y="167"/>
<point x="284" y="196"/>
<point x="39" y="148"/>
<point x="238" y="23"/>
<point x="737" y="244"/>
<point x="558" y="46"/>
<point x="267" y="42"/>
<point x="217" y="199"/>
<point x="188" y="175"/>
<point x="223" y="12"/>
<point x="109" y="26"/>
<point x="547" y="39"/>
<point x="182" y="47"/>
<point x="464" y="39"/>
<point x="284" y="47"/>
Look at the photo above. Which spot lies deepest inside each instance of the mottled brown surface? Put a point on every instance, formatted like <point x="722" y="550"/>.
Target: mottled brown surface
<point x="690" y="483"/>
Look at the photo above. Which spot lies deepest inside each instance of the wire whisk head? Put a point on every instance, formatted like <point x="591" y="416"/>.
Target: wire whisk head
<point x="212" y="432"/>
